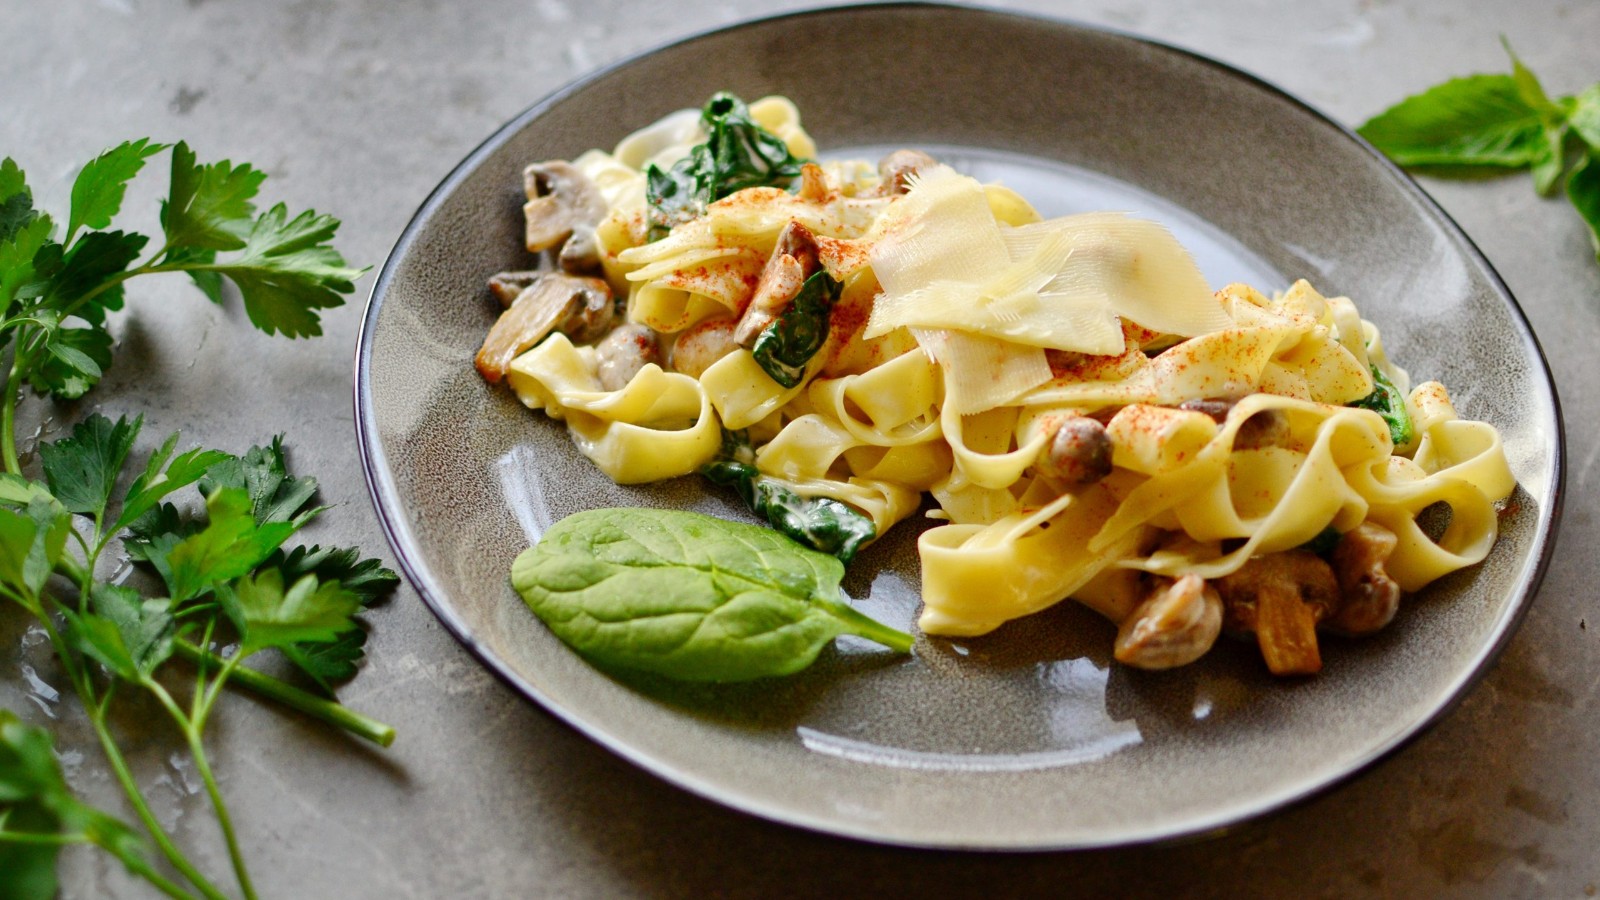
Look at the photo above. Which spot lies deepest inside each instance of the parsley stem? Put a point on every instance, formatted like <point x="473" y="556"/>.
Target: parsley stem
<point x="8" y="417"/>
<point x="310" y="704"/>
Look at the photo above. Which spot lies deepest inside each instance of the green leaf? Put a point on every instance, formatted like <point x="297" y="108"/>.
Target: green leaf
<point x="160" y="479"/>
<point x="31" y="542"/>
<point x="208" y="206"/>
<point x="688" y="596"/>
<point x="16" y="200"/>
<point x="1387" y="401"/>
<point x="35" y="800"/>
<point x="1529" y="89"/>
<point x="268" y="616"/>
<point x="17" y="254"/>
<point x="263" y="473"/>
<point x="329" y="663"/>
<point x="1479" y="120"/>
<point x="231" y="544"/>
<point x="1585" y="117"/>
<point x="1583" y="189"/>
<point x="208" y="281"/>
<point x="89" y="263"/>
<point x="1550" y="160"/>
<point x="129" y="634"/>
<point x="82" y="468"/>
<point x="74" y="362"/>
<point x="820" y="523"/>
<point x="289" y="271"/>
<point x="97" y="193"/>
<point x="784" y="347"/>
<point x="366" y="578"/>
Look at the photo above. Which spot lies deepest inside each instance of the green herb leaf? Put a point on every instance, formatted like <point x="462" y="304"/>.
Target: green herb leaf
<point x="329" y="663"/>
<point x="1583" y="189"/>
<point x="91" y="262"/>
<point x="35" y="800"/>
<point x="74" y="360"/>
<point x="208" y="206"/>
<point x="31" y="542"/>
<point x="18" y="273"/>
<point x="263" y="473"/>
<point x="737" y="154"/>
<point x="366" y="578"/>
<point x="16" y="200"/>
<point x="1387" y="401"/>
<point x="784" y="347"/>
<point x="97" y="193"/>
<point x="820" y="523"/>
<point x="688" y="596"/>
<point x="126" y="633"/>
<point x="231" y="545"/>
<point x="1585" y="116"/>
<point x="82" y="468"/>
<point x="289" y="271"/>
<point x="268" y="616"/>
<point x="1480" y="120"/>
<point x="161" y="478"/>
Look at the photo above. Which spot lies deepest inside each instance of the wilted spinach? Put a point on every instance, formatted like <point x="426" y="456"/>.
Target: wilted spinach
<point x="1387" y="401"/>
<point x="784" y="347"/>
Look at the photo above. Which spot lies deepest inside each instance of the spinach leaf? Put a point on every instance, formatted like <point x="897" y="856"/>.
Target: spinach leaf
<point x="737" y="154"/>
<point x="820" y="523"/>
<point x="784" y="347"/>
<point x="1387" y="401"/>
<point x="688" y="596"/>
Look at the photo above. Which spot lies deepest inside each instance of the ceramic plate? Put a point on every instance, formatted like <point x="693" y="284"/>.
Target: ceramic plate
<point x="1031" y="737"/>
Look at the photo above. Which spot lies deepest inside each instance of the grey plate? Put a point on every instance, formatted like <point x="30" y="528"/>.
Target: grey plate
<point x="1029" y="738"/>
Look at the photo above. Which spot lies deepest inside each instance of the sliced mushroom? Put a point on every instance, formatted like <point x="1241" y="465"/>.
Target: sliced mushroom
<point x="564" y="205"/>
<point x="1267" y="428"/>
<point x="507" y="285"/>
<point x="813" y="184"/>
<point x="1078" y="455"/>
<point x="580" y="308"/>
<point x="1281" y="597"/>
<point x="897" y="168"/>
<point x="1175" y="624"/>
<point x="703" y="344"/>
<point x="621" y="354"/>
<point x="1370" y="597"/>
<point x="793" y="260"/>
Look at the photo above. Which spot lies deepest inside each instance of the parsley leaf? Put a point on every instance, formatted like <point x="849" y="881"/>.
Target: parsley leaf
<point x="263" y="473"/>
<point x="97" y="193"/>
<point x="82" y="469"/>
<point x="74" y="361"/>
<point x="16" y="200"/>
<point x="289" y="271"/>
<point x="268" y="616"/>
<point x="1583" y="189"/>
<point x="94" y="260"/>
<point x="161" y="478"/>
<point x="208" y="206"/>
<point x="126" y="633"/>
<point x="230" y="545"/>
<point x="332" y="662"/>
<point x="31" y="542"/>
<point x="367" y="579"/>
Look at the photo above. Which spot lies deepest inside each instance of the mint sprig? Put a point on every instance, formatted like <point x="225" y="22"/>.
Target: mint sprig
<point x="1495" y="124"/>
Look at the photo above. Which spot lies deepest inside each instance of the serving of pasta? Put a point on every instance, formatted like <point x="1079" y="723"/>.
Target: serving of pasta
<point x="838" y="340"/>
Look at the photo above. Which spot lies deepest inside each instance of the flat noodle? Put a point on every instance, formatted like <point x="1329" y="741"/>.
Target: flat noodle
<point x="1025" y="327"/>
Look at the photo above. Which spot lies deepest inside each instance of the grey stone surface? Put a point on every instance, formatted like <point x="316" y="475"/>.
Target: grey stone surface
<point x="359" y="108"/>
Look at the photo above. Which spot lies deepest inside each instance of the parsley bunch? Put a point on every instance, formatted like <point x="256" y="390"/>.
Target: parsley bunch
<point x="220" y="570"/>
<point x="1487" y="123"/>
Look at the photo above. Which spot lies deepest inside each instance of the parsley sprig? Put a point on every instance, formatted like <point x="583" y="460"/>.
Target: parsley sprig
<point x="212" y="530"/>
<point x="1484" y="124"/>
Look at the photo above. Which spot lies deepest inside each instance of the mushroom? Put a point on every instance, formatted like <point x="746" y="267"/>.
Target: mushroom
<point x="1267" y="428"/>
<point x="564" y="205"/>
<point x="813" y="184"/>
<point x="507" y="285"/>
<point x="1175" y="624"/>
<point x="580" y="308"/>
<point x="1281" y="597"/>
<point x="1078" y="455"/>
<point x="622" y="353"/>
<point x="897" y="168"/>
<point x="703" y="344"/>
<point x="1370" y="596"/>
<point x="793" y="260"/>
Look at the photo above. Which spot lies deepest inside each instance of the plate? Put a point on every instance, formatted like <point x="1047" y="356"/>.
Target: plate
<point x="1030" y="738"/>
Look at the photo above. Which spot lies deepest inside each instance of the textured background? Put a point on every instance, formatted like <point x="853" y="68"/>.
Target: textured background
<point x="359" y="108"/>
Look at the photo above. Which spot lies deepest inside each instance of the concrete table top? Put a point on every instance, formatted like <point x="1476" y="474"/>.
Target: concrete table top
<point x="359" y="108"/>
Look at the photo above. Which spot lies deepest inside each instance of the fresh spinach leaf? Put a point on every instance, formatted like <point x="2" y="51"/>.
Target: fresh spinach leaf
<point x="785" y="347"/>
<point x="688" y="596"/>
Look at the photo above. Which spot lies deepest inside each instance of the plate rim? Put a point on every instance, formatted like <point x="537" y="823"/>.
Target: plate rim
<point x="389" y="509"/>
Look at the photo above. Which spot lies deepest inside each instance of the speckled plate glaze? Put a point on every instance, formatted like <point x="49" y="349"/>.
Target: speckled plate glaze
<point x="1029" y="738"/>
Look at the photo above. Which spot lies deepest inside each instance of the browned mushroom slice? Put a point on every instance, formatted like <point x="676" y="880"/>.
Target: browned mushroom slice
<point x="793" y="260"/>
<point x="561" y="201"/>
<point x="897" y="168"/>
<point x="1175" y="625"/>
<point x="703" y="344"/>
<point x="621" y="354"/>
<point x="505" y="286"/>
<point x="1370" y="597"/>
<point x="1078" y="455"/>
<point x="580" y="308"/>
<point x="1267" y="428"/>
<point x="813" y="184"/>
<point x="1281" y="597"/>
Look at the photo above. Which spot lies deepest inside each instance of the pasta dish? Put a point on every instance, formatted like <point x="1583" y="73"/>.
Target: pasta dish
<point x="837" y="340"/>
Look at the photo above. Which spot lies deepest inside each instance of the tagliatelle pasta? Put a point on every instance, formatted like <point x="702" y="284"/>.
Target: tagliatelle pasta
<point x="838" y="339"/>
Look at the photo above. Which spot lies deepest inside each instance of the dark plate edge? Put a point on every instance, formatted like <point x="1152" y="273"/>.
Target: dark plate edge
<point x="386" y="505"/>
